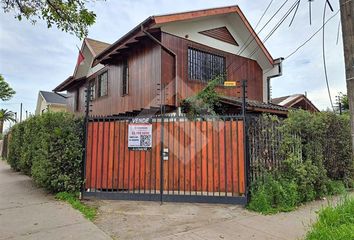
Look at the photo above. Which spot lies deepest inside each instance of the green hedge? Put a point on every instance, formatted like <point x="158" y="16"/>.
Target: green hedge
<point x="323" y="167"/>
<point x="49" y="148"/>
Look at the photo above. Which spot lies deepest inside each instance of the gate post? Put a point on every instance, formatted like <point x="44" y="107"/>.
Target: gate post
<point x="162" y="109"/>
<point x="245" y="141"/>
<point x="87" y="111"/>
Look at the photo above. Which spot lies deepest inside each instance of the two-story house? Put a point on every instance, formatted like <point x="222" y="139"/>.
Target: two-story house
<point x="168" y="58"/>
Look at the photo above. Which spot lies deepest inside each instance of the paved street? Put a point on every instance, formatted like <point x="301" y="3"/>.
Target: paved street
<point x="26" y="212"/>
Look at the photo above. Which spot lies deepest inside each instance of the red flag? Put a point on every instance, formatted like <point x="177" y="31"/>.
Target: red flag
<point x="80" y="58"/>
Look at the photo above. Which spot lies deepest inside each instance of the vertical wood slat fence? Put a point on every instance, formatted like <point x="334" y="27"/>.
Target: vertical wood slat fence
<point x="206" y="160"/>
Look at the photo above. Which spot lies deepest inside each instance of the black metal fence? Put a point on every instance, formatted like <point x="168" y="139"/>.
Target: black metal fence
<point x="266" y="136"/>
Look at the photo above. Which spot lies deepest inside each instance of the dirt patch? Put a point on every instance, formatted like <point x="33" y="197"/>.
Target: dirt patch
<point x="185" y="221"/>
<point x="149" y="220"/>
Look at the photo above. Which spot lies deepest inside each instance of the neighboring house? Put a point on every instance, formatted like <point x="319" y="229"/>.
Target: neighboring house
<point x="299" y="101"/>
<point x="168" y="58"/>
<point x="50" y="102"/>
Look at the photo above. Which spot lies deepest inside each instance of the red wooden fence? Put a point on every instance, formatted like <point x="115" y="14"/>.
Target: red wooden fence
<point x="205" y="157"/>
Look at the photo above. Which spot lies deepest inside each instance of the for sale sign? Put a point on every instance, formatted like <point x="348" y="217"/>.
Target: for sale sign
<point x="140" y="134"/>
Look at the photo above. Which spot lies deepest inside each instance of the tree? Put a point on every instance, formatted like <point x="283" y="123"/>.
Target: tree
<point x="5" y="115"/>
<point x="70" y="16"/>
<point x="6" y="92"/>
<point x="345" y="102"/>
<point x="206" y="102"/>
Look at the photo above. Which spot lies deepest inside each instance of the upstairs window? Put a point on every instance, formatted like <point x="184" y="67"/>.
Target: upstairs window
<point x="103" y="84"/>
<point x="125" y="78"/>
<point x="204" y="66"/>
<point x="77" y="100"/>
<point x="92" y="87"/>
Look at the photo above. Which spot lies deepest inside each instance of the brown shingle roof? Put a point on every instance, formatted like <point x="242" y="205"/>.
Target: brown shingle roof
<point x="162" y="19"/>
<point x="256" y="105"/>
<point x="292" y="100"/>
<point x="97" y="46"/>
<point x="279" y="99"/>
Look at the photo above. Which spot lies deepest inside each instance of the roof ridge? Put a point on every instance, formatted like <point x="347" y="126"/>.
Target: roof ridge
<point x="91" y="39"/>
<point x="197" y="10"/>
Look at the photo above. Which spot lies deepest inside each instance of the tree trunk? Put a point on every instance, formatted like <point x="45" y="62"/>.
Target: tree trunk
<point x="1" y="126"/>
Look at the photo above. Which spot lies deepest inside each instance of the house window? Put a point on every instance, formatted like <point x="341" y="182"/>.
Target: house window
<point x="125" y="78"/>
<point x="204" y="66"/>
<point x="103" y="84"/>
<point x="92" y="87"/>
<point x="77" y="100"/>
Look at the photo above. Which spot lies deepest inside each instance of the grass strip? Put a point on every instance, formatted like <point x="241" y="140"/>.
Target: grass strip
<point x="334" y="223"/>
<point x="88" y="211"/>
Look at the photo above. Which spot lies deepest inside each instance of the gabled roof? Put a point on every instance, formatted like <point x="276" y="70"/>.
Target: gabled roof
<point x="69" y="82"/>
<point x="292" y="100"/>
<point x="53" y="98"/>
<point x="162" y="19"/>
<point x="95" y="46"/>
<point x="256" y="106"/>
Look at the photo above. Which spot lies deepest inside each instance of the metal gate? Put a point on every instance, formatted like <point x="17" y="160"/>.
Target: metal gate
<point x="200" y="160"/>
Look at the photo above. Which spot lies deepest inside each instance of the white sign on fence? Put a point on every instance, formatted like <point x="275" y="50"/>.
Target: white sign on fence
<point x="139" y="136"/>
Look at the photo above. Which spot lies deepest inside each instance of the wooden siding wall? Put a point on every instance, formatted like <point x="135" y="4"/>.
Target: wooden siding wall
<point x="70" y="100"/>
<point x="144" y="76"/>
<point x="149" y="65"/>
<point x="204" y="157"/>
<point x="239" y="68"/>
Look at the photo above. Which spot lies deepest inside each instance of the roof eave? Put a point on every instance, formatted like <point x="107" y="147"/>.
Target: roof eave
<point x="65" y="85"/>
<point x="60" y="87"/>
<point x="161" y="19"/>
<point x="146" y="23"/>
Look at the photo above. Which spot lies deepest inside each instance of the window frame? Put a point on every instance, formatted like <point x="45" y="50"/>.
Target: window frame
<point x="125" y="77"/>
<point x="98" y="95"/>
<point x="198" y="72"/>
<point x="77" y="100"/>
<point x="93" y="89"/>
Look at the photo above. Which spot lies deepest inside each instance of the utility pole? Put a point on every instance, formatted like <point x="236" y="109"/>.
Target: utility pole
<point x="347" y="19"/>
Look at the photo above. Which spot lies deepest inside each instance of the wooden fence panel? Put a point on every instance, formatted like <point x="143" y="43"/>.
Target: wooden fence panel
<point x="206" y="157"/>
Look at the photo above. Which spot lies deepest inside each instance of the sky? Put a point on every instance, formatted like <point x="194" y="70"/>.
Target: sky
<point x="33" y="57"/>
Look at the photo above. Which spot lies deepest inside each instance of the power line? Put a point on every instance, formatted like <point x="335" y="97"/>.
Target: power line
<point x="278" y="24"/>
<point x="310" y="38"/>
<point x="297" y="8"/>
<point x="323" y="52"/>
<point x="264" y="13"/>
<point x="259" y="21"/>
<point x="307" y="40"/>
<point x="281" y="21"/>
<point x="338" y="31"/>
<point x="271" y="18"/>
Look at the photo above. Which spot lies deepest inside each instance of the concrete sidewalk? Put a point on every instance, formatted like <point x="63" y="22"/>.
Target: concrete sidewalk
<point x="181" y="221"/>
<point x="27" y="212"/>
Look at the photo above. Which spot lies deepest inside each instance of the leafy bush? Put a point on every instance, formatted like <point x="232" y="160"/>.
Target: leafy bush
<point x="49" y="148"/>
<point x="335" y="187"/>
<point x="206" y="102"/>
<point x="334" y="222"/>
<point x="15" y="146"/>
<point x="274" y="195"/>
<point x="316" y="159"/>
